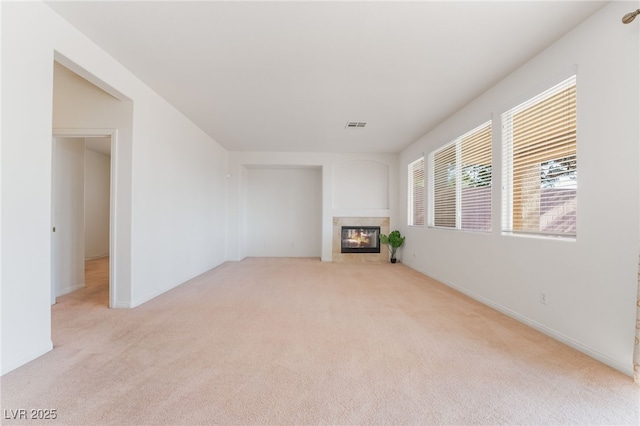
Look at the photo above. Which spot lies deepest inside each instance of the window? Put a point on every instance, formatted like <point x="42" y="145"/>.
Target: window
<point x="540" y="163"/>
<point x="416" y="193"/>
<point x="460" y="182"/>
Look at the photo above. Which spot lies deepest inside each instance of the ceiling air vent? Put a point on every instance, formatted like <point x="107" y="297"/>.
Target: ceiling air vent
<point x="354" y="124"/>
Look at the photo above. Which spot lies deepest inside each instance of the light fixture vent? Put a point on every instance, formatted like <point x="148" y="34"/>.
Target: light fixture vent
<point x="355" y="124"/>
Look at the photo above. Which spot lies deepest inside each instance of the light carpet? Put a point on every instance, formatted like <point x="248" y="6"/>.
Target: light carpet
<point x="283" y="341"/>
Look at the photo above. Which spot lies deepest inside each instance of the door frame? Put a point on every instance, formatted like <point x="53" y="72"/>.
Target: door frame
<point x="113" y="185"/>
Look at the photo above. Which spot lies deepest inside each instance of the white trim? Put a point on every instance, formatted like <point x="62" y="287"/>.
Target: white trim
<point x="113" y="199"/>
<point x="100" y="256"/>
<point x="539" y="88"/>
<point x="84" y="133"/>
<point x="68" y="290"/>
<point x="52" y="243"/>
<point x="411" y="192"/>
<point x="68" y="63"/>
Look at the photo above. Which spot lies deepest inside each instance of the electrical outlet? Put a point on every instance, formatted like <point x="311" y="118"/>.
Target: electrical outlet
<point x="543" y="298"/>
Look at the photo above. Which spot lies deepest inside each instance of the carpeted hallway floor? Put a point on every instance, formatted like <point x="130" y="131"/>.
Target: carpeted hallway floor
<point x="297" y="341"/>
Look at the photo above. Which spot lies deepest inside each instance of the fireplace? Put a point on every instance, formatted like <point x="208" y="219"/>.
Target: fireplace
<point x="360" y="239"/>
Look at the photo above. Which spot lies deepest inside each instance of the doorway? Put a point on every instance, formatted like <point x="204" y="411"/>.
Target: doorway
<point x="83" y="208"/>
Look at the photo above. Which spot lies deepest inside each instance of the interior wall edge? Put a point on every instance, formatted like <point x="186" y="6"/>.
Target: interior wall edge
<point x="36" y="352"/>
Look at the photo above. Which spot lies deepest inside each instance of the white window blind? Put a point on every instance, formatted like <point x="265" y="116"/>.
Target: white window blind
<point x="460" y="182"/>
<point x="444" y="187"/>
<point x="540" y="164"/>
<point x="416" y="193"/>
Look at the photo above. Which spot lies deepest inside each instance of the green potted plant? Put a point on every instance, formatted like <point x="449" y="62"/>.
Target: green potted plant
<point x="393" y="241"/>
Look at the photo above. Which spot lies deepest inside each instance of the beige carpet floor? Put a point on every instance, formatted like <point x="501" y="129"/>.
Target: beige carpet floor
<point x="297" y="341"/>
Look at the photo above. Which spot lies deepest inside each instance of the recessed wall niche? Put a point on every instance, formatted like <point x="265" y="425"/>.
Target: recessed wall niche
<point x="360" y="184"/>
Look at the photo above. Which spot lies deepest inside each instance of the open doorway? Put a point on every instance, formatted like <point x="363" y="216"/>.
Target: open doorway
<point x="83" y="213"/>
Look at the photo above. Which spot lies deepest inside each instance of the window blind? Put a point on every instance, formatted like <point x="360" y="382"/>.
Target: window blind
<point x="476" y="178"/>
<point x="416" y="193"/>
<point x="460" y="182"/>
<point x="444" y="187"/>
<point x="540" y="163"/>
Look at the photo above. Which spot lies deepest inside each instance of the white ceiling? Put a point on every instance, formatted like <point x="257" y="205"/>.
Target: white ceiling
<point x="288" y="76"/>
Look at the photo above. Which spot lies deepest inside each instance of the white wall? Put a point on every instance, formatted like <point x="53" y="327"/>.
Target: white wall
<point x="339" y="172"/>
<point x="179" y="201"/>
<point x="68" y="215"/>
<point x="284" y="212"/>
<point x="591" y="282"/>
<point x="360" y="184"/>
<point x="96" y="200"/>
<point x="171" y="177"/>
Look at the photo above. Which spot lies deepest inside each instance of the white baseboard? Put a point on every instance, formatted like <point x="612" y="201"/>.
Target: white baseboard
<point x="100" y="256"/>
<point x="68" y="290"/>
<point x="153" y="295"/>
<point x="580" y="347"/>
<point x="33" y="354"/>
